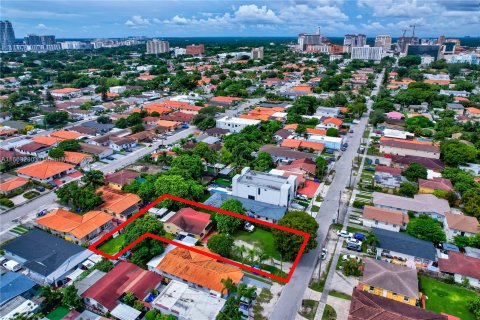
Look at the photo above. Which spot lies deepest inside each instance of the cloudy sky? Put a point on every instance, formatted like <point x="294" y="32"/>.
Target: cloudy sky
<point x="181" y="18"/>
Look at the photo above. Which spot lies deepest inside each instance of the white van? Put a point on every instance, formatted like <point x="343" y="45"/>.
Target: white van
<point x="12" y="265"/>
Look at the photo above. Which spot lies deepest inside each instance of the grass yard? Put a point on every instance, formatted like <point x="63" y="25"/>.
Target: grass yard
<point x="443" y="297"/>
<point x="340" y="295"/>
<point x="315" y="208"/>
<point x="223" y="182"/>
<point x="329" y="313"/>
<point x="356" y="230"/>
<point x="308" y="308"/>
<point x="113" y="245"/>
<point x="58" y="313"/>
<point x="261" y="239"/>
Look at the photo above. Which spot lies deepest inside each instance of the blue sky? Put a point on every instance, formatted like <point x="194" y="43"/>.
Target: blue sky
<point x="180" y="18"/>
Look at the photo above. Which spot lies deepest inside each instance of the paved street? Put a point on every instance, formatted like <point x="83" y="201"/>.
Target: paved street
<point x="292" y="294"/>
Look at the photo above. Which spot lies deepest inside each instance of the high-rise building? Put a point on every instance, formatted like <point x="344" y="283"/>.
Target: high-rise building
<point x="354" y="40"/>
<point x="424" y="50"/>
<point x="441" y="39"/>
<point x="33" y="40"/>
<point x="384" y="41"/>
<point x="195" y="49"/>
<point x="308" y="40"/>
<point x="257" y="53"/>
<point x="367" y="53"/>
<point x="157" y="46"/>
<point x="7" y="36"/>
<point x="47" y="39"/>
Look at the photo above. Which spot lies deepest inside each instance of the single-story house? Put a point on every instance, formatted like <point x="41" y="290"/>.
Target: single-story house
<point x="429" y="186"/>
<point x="100" y="151"/>
<point x="461" y="267"/>
<point x="284" y="154"/>
<point x="13" y="185"/>
<point x="307" y="167"/>
<point x="120" y="178"/>
<point x="403" y="249"/>
<point x="14" y="284"/>
<point x="391" y="281"/>
<point x="460" y="225"/>
<point x="47" y="258"/>
<point x="34" y="149"/>
<point x="45" y="171"/>
<point x="188" y="221"/>
<point x="402" y="147"/>
<point x="403" y="162"/>
<point x="119" y="144"/>
<point x="119" y="204"/>
<point x="387" y="219"/>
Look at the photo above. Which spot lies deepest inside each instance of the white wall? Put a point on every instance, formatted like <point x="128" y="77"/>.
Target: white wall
<point x="381" y="225"/>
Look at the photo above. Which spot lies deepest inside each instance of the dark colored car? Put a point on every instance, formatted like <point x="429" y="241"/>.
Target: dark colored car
<point x="360" y="236"/>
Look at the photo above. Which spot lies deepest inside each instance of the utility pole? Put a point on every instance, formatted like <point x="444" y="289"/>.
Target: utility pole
<point x="339" y="203"/>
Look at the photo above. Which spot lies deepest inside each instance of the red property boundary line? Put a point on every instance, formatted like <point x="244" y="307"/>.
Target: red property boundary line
<point x="93" y="247"/>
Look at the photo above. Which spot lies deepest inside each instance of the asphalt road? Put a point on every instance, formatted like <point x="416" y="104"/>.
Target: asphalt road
<point x="28" y="211"/>
<point x="292" y="294"/>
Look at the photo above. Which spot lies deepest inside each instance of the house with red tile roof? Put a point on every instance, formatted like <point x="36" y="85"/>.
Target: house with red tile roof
<point x="303" y="144"/>
<point x="461" y="267"/>
<point x="331" y="122"/>
<point x="429" y="186"/>
<point x="77" y="158"/>
<point x="198" y="270"/>
<point x="146" y="77"/>
<point x="45" y="171"/>
<point x="472" y="112"/>
<point x="223" y="100"/>
<point x="66" y="135"/>
<point x="75" y="227"/>
<point x="46" y="140"/>
<point x="383" y="218"/>
<point x="119" y="204"/>
<point x="460" y="225"/>
<point x="34" y="149"/>
<point x="307" y="167"/>
<point x="105" y="294"/>
<point x="66" y="92"/>
<point x="418" y="148"/>
<point x="188" y="221"/>
<point x="12" y="185"/>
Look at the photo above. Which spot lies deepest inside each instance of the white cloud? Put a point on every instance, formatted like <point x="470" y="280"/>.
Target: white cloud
<point x="359" y="16"/>
<point x="138" y="21"/>
<point x="41" y="26"/>
<point x="253" y="14"/>
<point x="399" y="8"/>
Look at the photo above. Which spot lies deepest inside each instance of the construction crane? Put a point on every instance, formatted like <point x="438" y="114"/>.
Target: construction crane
<point x="413" y="30"/>
<point x="404" y="31"/>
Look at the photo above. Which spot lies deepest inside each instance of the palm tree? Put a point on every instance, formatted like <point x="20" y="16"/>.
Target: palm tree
<point x="240" y="250"/>
<point x="251" y="254"/>
<point x="261" y="256"/>
<point x="228" y="285"/>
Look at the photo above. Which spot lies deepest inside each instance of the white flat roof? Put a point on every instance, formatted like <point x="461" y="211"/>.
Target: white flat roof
<point x="188" y="302"/>
<point x="228" y="119"/>
<point x="124" y="312"/>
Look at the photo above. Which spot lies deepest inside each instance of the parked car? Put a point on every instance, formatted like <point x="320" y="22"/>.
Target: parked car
<point x="362" y="149"/>
<point x="350" y="257"/>
<point x="41" y="213"/>
<point x="11" y="265"/>
<point x="355" y="241"/>
<point x="297" y="206"/>
<point x="351" y="131"/>
<point x="344" y="234"/>
<point x="249" y="227"/>
<point x="353" y="246"/>
<point x="369" y="169"/>
<point x="324" y="254"/>
<point x="110" y="158"/>
<point x="360" y="236"/>
<point x="40" y="188"/>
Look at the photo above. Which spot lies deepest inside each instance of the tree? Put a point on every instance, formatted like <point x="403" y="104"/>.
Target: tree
<point x="321" y="169"/>
<point x="81" y="199"/>
<point x="177" y="186"/>
<point x="221" y="244"/>
<point x="103" y="119"/>
<point x="93" y="178"/>
<point x="474" y="306"/>
<point x="56" y="153"/>
<point x="138" y="128"/>
<point x="409" y="61"/>
<point x="204" y="151"/>
<point x="408" y="189"/>
<point x="69" y="145"/>
<point x="228" y="224"/>
<point x="50" y="100"/>
<point x="57" y="118"/>
<point x="289" y="243"/>
<point x="461" y="241"/>
<point x="301" y="129"/>
<point x="147" y="248"/>
<point x="332" y="132"/>
<point x="263" y="162"/>
<point x="415" y="171"/>
<point x="351" y="267"/>
<point x="187" y="166"/>
<point x="384" y="105"/>
<point x="455" y="153"/>
<point x="426" y="228"/>
<point x="121" y="123"/>
<point x="129" y="298"/>
<point x="71" y="297"/>
<point x="377" y="116"/>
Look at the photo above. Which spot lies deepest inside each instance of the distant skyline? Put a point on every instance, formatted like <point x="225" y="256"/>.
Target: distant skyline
<point x="180" y="18"/>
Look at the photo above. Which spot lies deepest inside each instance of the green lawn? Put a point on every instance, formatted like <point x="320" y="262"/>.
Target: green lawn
<point x="447" y="298"/>
<point x="261" y="239"/>
<point x="340" y="295"/>
<point x="223" y="182"/>
<point x="315" y="208"/>
<point x="308" y="309"/>
<point x="113" y="245"/>
<point x="58" y="313"/>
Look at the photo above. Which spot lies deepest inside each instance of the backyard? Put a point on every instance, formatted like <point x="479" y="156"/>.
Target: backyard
<point x="58" y="313"/>
<point x="443" y="297"/>
<point x="113" y="245"/>
<point x="261" y="239"/>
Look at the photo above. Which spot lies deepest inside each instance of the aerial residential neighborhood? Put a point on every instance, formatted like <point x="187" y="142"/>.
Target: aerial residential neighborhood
<point x="287" y="160"/>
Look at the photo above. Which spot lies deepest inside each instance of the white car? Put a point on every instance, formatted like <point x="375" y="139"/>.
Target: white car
<point x="344" y="234"/>
<point x="350" y="257"/>
<point x="324" y="253"/>
<point x="249" y="227"/>
<point x="354" y="241"/>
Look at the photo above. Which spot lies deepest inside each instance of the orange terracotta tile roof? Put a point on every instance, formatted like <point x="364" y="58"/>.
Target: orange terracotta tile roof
<point x="473" y="110"/>
<point x="117" y="201"/>
<point x="167" y="124"/>
<point x="291" y="143"/>
<point x="295" y="144"/>
<point x="49" y="141"/>
<point x="44" y="169"/>
<point x="13" y="184"/>
<point x="65" y="90"/>
<point x="335" y="121"/>
<point x="156" y="107"/>
<point x="146" y="77"/>
<point x="440" y="82"/>
<point x="317" y="131"/>
<point x="75" y="157"/>
<point x="462" y="223"/>
<point x="264" y="117"/>
<point x="343" y="109"/>
<point x="198" y="268"/>
<point x="112" y="95"/>
<point x="77" y="225"/>
<point x="302" y="87"/>
<point x="291" y="126"/>
<point x="66" y="135"/>
<point x="225" y="99"/>
<point x="460" y="99"/>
